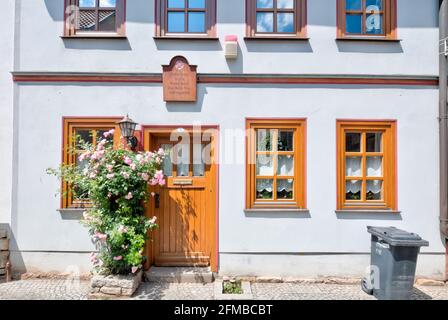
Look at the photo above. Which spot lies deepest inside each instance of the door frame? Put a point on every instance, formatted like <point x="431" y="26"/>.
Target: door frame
<point x="147" y="132"/>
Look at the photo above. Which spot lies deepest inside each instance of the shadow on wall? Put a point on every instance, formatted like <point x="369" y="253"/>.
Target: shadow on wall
<point x="369" y="46"/>
<point x="296" y="46"/>
<point x="97" y="44"/>
<point x="188" y="45"/>
<point x="386" y="216"/>
<point x="15" y="257"/>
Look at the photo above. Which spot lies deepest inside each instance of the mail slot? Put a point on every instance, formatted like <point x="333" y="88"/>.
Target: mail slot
<point x="182" y="182"/>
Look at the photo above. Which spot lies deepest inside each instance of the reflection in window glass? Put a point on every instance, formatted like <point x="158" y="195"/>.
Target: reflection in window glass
<point x="196" y="22"/>
<point x="176" y="4"/>
<point x="374" y="24"/>
<point x="373" y="141"/>
<point x="285" y="165"/>
<point x="108" y="3"/>
<point x="285" y="22"/>
<point x="285" y="4"/>
<point x="107" y="21"/>
<point x="353" y="4"/>
<point x="353" y="142"/>
<point x="375" y="5"/>
<point x="285" y="141"/>
<point x="176" y="22"/>
<point x="198" y="160"/>
<point x="265" y="139"/>
<point x="353" y="23"/>
<point x="196" y="4"/>
<point x="265" y="4"/>
<point x="265" y="22"/>
<point x="87" y="3"/>
<point x="168" y="161"/>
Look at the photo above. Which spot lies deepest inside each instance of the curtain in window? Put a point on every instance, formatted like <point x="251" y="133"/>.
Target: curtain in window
<point x="353" y="186"/>
<point x="284" y="185"/>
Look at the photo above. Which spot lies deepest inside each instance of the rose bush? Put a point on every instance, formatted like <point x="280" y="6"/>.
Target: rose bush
<point x="115" y="180"/>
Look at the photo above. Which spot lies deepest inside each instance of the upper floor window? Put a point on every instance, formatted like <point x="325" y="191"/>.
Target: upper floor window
<point x="276" y="18"/>
<point x="95" y="17"/>
<point x="186" y="18"/>
<point x="366" y="165"/>
<point x="373" y="19"/>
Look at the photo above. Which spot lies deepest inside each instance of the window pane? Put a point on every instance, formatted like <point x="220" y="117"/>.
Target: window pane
<point x="374" y="190"/>
<point x="264" y="139"/>
<point x="87" y="20"/>
<point x="353" y="189"/>
<point x="107" y="21"/>
<point x="176" y="22"/>
<point x="353" y="167"/>
<point x="285" y="166"/>
<point x="265" y="22"/>
<point x="285" y="188"/>
<point x="168" y="161"/>
<point x="83" y="136"/>
<point x="265" y="3"/>
<point x="375" y="5"/>
<point x="374" y="24"/>
<point x="353" y="142"/>
<point x="353" y="23"/>
<point x="183" y="160"/>
<point x="198" y="160"/>
<point x="285" y="4"/>
<point x="285" y="141"/>
<point x="196" y="22"/>
<point x="87" y="3"/>
<point x="374" y="166"/>
<point x="373" y="141"/>
<point x="108" y="3"/>
<point x="264" y="189"/>
<point x="285" y="22"/>
<point x="176" y="3"/>
<point x="196" y="4"/>
<point x="265" y="165"/>
<point x="353" y="4"/>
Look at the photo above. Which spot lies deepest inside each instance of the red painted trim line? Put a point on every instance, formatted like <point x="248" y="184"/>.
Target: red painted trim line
<point x="225" y="79"/>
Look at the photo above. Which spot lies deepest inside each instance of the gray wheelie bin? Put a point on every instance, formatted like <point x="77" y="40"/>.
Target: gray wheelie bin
<point x="393" y="262"/>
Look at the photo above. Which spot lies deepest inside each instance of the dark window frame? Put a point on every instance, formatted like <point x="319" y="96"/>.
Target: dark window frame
<point x="70" y="23"/>
<point x="389" y="13"/>
<point x="161" y="21"/>
<point x="300" y="21"/>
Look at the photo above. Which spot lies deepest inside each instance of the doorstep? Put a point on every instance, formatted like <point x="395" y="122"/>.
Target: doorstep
<point x="179" y="275"/>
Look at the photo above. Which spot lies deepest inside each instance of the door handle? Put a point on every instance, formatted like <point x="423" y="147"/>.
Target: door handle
<point x="157" y="201"/>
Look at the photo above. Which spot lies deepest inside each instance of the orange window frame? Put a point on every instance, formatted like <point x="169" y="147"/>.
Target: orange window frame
<point x="300" y="20"/>
<point x="389" y="163"/>
<point x="298" y="126"/>
<point x="389" y="13"/>
<point x="71" y="17"/>
<point x="70" y="126"/>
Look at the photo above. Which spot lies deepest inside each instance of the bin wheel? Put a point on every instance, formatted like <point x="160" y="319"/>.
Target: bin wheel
<point x="365" y="287"/>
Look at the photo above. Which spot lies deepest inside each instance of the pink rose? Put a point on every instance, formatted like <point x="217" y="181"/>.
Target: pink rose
<point x="134" y="269"/>
<point x="127" y="160"/>
<point x="125" y="175"/>
<point x="118" y="258"/>
<point x="122" y="229"/>
<point x="110" y="176"/>
<point x="133" y="166"/>
<point x="129" y="196"/>
<point x="145" y="176"/>
<point x="109" y="133"/>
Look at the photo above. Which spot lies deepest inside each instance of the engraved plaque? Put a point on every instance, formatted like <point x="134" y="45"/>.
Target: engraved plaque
<point x="182" y="182"/>
<point x="179" y="81"/>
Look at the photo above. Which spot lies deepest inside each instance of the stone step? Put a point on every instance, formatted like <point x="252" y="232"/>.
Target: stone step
<point x="179" y="275"/>
<point x="4" y="244"/>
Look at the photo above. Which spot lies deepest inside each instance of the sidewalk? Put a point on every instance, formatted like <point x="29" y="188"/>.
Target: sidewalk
<point x="78" y="290"/>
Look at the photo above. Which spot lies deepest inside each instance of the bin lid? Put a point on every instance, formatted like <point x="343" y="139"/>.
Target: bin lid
<point x="397" y="237"/>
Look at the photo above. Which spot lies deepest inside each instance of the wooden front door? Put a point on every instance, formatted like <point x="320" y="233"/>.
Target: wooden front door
<point x="186" y="206"/>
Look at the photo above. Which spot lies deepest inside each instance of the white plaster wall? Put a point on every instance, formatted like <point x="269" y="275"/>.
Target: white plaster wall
<point x="416" y="54"/>
<point x="40" y="227"/>
<point x="6" y="107"/>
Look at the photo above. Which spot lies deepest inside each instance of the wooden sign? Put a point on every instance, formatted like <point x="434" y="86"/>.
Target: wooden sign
<point x="179" y="81"/>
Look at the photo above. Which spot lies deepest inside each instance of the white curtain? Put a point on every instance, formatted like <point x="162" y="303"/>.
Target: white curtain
<point x="285" y="165"/>
<point x="374" y="166"/>
<point x="284" y="185"/>
<point x="265" y="165"/>
<point x="264" y="184"/>
<point x="353" y="167"/>
<point x="374" y="186"/>
<point x="353" y="186"/>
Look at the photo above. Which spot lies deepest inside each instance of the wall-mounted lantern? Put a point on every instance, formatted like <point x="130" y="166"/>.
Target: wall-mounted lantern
<point x="127" y="127"/>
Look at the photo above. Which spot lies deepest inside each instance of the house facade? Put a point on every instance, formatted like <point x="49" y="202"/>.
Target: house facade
<point x="301" y="123"/>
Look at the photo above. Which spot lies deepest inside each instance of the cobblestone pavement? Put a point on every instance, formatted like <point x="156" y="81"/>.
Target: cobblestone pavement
<point x="67" y="290"/>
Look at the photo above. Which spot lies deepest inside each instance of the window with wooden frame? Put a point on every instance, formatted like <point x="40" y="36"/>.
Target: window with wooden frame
<point x="77" y="130"/>
<point x="276" y="18"/>
<point x="367" y="19"/>
<point x="97" y="18"/>
<point x="186" y="18"/>
<point x="275" y="164"/>
<point x="366" y="162"/>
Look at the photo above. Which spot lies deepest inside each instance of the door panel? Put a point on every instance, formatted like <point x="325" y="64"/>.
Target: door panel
<point x="185" y="206"/>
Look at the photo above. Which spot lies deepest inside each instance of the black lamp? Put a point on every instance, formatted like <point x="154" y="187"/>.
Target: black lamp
<point x="127" y="127"/>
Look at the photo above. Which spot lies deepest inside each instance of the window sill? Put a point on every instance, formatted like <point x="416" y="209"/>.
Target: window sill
<point x="373" y="39"/>
<point x="202" y="38"/>
<point x="95" y="36"/>
<point x="378" y="211"/>
<point x="275" y="38"/>
<point x="297" y="210"/>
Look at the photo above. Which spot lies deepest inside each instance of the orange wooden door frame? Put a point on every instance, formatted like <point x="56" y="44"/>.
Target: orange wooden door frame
<point x="149" y="135"/>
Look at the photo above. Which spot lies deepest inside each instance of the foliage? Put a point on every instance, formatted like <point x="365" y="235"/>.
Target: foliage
<point x="232" y="287"/>
<point x="116" y="182"/>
